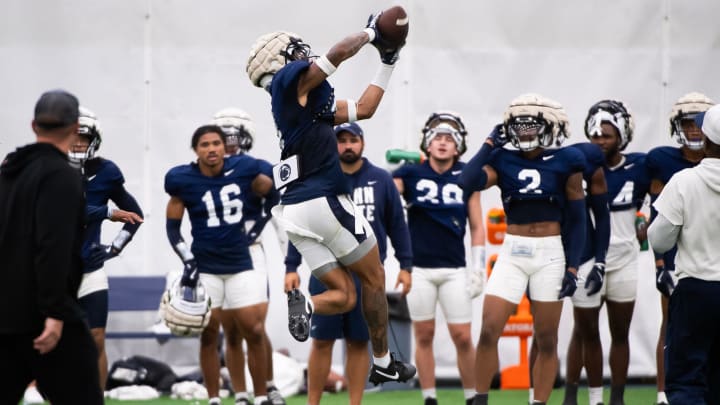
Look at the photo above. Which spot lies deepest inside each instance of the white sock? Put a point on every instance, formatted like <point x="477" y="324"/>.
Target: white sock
<point x="469" y="393"/>
<point x="260" y="399"/>
<point x="531" y="391"/>
<point x="429" y="393"/>
<point x="595" y="394"/>
<point x="661" y="397"/>
<point x="241" y="395"/>
<point x="269" y="384"/>
<point x="383" y="361"/>
<point x="214" y="401"/>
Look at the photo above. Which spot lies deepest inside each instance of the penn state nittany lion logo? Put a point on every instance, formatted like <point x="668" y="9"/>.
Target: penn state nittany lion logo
<point x="285" y="172"/>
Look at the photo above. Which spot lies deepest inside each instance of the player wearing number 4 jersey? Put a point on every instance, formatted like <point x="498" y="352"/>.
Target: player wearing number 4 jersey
<point x="438" y="210"/>
<point x="610" y="125"/>
<point x="540" y="188"/>
<point x="213" y="190"/>
<point x="321" y="220"/>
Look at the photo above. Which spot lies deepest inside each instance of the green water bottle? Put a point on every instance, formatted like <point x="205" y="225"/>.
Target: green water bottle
<point x="641" y="223"/>
<point x="401" y="155"/>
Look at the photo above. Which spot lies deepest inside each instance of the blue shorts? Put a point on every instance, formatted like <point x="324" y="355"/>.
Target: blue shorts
<point x="95" y="306"/>
<point x="350" y="325"/>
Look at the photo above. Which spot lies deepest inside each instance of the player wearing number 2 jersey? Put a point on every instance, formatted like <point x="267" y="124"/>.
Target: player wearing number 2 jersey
<point x="540" y="188"/>
<point x="213" y="190"/>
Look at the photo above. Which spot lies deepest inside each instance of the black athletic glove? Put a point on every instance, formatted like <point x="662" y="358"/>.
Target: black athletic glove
<point x="190" y="274"/>
<point x="595" y="279"/>
<point x="498" y="136"/>
<point x="664" y="281"/>
<point x="98" y="255"/>
<point x="388" y="54"/>
<point x="569" y="285"/>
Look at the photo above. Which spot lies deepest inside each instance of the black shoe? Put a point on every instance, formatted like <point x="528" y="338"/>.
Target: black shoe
<point x="274" y="396"/>
<point x="299" y="314"/>
<point x="396" y="371"/>
<point x="430" y="401"/>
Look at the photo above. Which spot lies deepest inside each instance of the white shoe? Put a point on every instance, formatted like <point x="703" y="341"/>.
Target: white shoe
<point x="32" y="396"/>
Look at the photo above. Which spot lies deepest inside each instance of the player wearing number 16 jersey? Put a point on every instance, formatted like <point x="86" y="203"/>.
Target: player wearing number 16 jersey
<point x="213" y="190"/>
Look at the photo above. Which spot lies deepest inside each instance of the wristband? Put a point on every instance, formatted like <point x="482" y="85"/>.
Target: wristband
<point x="382" y="77"/>
<point x="325" y="65"/>
<point x="371" y="34"/>
<point x="478" y="256"/>
<point x="352" y="110"/>
<point x="110" y="212"/>
<point x="122" y="238"/>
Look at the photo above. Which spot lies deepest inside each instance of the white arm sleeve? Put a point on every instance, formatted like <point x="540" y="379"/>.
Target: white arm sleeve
<point x="662" y="234"/>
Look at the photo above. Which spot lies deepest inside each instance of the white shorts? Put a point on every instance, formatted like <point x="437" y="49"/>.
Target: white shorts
<point x="620" y="285"/>
<point x="327" y="231"/>
<point x="439" y="285"/>
<point x="93" y="282"/>
<point x="533" y="263"/>
<point x="243" y="289"/>
<point x="257" y="254"/>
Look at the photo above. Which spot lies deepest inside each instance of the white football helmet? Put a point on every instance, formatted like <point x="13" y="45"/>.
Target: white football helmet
<point x="686" y="108"/>
<point x="532" y="114"/>
<point x="270" y="53"/>
<point x="238" y="127"/>
<point x="89" y="128"/>
<point x="185" y="310"/>
<point x="439" y="123"/>
<point x="615" y="113"/>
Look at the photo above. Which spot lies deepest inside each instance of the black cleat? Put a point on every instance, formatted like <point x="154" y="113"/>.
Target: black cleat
<point x="430" y="401"/>
<point x="299" y="314"/>
<point x="397" y="371"/>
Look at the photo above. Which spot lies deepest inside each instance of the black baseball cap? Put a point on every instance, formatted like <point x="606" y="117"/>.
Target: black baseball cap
<point x="56" y="109"/>
<point x="351" y="127"/>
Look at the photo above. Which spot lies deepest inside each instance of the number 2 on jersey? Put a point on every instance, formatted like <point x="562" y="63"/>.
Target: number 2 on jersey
<point x="231" y="205"/>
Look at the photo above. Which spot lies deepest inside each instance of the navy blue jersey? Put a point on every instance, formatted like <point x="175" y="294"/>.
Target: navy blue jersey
<point x="308" y="133"/>
<point x="628" y="183"/>
<point x="215" y="207"/>
<point x="104" y="182"/>
<point x="664" y="161"/>
<point x="594" y="159"/>
<point x="533" y="190"/>
<point x="374" y="192"/>
<point x="253" y="203"/>
<point x="436" y="213"/>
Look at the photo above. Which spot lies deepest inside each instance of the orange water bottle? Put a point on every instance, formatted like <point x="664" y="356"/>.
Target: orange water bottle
<point x="496" y="226"/>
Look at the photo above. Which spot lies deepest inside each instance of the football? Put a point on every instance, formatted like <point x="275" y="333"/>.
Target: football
<point x="393" y="25"/>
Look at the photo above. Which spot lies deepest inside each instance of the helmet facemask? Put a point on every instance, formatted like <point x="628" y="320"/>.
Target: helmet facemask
<point x="527" y="132"/>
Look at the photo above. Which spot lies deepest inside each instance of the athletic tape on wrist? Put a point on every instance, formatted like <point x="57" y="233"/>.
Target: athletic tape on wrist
<point x="371" y="34"/>
<point x="325" y="65"/>
<point x="382" y="77"/>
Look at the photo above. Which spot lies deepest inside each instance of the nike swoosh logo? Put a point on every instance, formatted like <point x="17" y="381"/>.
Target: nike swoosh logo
<point x="626" y="167"/>
<point x="456" y="172"/>
<point x="229" y="172"/>
<point x="370" y="183"/>
<point x="393" y="377"/>
<point x="548" y="157"/>
<point x="92" y="177"/>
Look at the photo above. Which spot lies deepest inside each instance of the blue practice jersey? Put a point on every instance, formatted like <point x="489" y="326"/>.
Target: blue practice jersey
<point x="533" y="190"/>
<point x="663" y="162"/>
<point x="437" y="214"/>
<point x="308" y="133"/>
<point x="215" y="207"/>
<point x="628" y="183"/>
<point x="594" y="159"/>
<point x="374" y="192"/>
<point x="104" y="182"/>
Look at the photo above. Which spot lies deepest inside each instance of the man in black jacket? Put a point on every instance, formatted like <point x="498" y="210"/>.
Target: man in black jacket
<point x="43" y="334"/>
